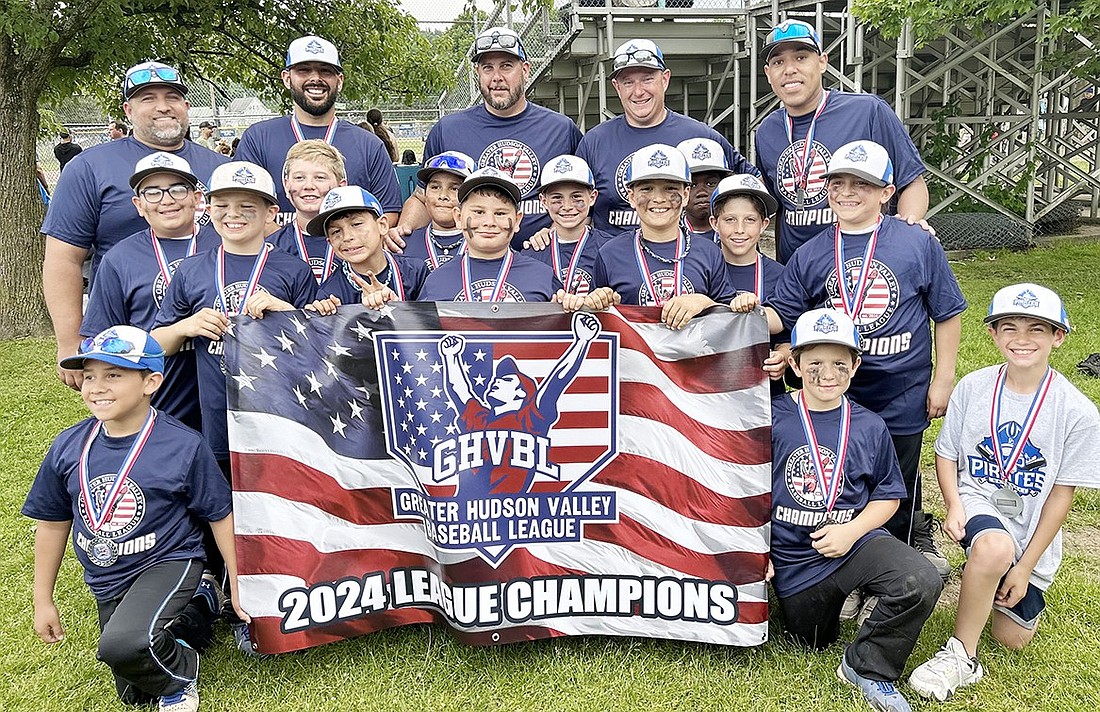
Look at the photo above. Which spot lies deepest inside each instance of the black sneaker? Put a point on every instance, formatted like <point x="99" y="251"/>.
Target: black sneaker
<point x="925" y="544"/>
<point x="1090" y="366"/>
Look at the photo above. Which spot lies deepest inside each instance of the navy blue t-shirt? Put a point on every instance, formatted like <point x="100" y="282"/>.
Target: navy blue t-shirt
<point x="175" y="483"/>
<point x="607" y="149"/>
<point x="870" y="472"/>
<point x="412" y="274"/>
<point x="528" y="280"/>
<point x="320" y="256"/>
<point x="434" y="247"/>
<point x="519" y="145"/>
<point x="92" y="204"/>
<point x="912" y="284"/>
<point x="129" y="289"/>
<point x="584" y="271"/>
<point x="194" y="287"/>
<point x="846" y="118"/>
<point x="365" y="157"/>
<point x="704" y="271"/>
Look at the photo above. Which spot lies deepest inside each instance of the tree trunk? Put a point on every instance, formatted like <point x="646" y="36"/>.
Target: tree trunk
<point x="22" y="308"/>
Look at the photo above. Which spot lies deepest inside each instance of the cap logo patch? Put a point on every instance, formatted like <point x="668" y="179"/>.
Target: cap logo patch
<point x="857" y="155"/>
<point x="1026" y="300"/>
<point x="314" y="47"/>
<point x="701" y="152"/>
<point x="562" y="166"/>
<point x="161" y="161"/>
<point x="747" y="181"/>
<point x="244" y="177"/>
<point x="331" y="200"/>
<point x="825" y="325"/>
<point x="659" y="160"/>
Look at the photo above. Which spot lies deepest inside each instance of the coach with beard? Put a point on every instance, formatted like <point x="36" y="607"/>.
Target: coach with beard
<point x="314" y="77"/>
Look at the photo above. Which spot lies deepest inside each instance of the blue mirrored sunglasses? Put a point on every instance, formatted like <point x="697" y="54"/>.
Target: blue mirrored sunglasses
<point x="793" y="31"/>
<point x="454" y="162"/>
<point x="114" y="345"/>
<point x="636" y="56"/>
<point x="146" y="74"/>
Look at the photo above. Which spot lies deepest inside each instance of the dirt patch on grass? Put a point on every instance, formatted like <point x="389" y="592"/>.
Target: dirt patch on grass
<point x="1083" y="541"/>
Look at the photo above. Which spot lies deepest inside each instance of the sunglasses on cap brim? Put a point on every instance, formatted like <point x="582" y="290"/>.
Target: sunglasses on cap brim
<point x="636" y="57"/>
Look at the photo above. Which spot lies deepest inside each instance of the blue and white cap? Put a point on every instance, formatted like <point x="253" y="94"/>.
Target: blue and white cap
<point x="704" y="155"/>
<point x="658" y="161"/>
<point x="312" y="49"/>
<point x="344" y="199"/>
<point x="637" y="53"/>
<point x="745" y="184"/>
<point x="162" y="162"/>
<point x="825" y="326"/>
<point x="489" y="176"/>
<point x="453" y="162"/>
<point x="1030" y="300"/>
<point x="242" y="175"/>
<point x="566" y="169"/>
<point x="122" y="346"/>
<point x="864" y="159"/>
<point x="149" y="74"/>
<point x="794" y="32"/>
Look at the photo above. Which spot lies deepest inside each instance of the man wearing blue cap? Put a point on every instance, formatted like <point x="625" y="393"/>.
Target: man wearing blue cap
<point x="92" y="207"/>
<point x="795" y="143"/>
<point x="314" y="78"/>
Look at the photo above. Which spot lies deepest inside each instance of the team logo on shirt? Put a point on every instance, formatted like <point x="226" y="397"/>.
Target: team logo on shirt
<point x="232" y="295"/>
<point x="663" y="281"/>
<point x="202" y="216"/>
<point x="160" y="286"/>
<point x="482" y="289"/>
<point x="788" y="177"/>
<point x="128" y="511"/>
<point x="620" y="177"/>
<point x="1030" y="472"/>
<point x="502" y="432"/>
<point x="515" y="159"/>
<point x="882" y="294"/>
<point x="582" y="281"/>
<point x="801" y="480"/>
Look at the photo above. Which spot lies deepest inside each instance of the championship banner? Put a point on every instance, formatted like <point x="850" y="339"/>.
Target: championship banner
<point x="510" y="471"/>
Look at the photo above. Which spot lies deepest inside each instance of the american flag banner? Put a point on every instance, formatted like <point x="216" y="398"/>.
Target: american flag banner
<point x="511" y="471"/>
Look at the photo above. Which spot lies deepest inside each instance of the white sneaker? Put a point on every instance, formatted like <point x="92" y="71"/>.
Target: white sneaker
<point x="852" y="604"/>
<point x="186" y="700"/>
<point x="947" y="671"/>
<point x="866" y="610"/>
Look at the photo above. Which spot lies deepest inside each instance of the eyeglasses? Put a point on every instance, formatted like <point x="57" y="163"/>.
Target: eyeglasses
<point x="114" y="345"/>
<point x="178" y="191"/>
<point x="453" y="162"/>
<point x="144" y="75"/>
<point x="501" y="40"/>
<point x="636" y="56"/>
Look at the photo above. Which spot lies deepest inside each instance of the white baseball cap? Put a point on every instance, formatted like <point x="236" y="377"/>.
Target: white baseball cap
<point x="312" y="49"/>
<point x="825" y="326"/>
<point x="343" y="199"/>
<point x="498" y="39"/>
<point x="162" y="162"/>
<point x="566" y="169"/>
<point x="1030" y="300"/>
<point x="637" y="53"/>
<point x="242" y="175"/>
<point x="122" y="346"/>
<point x="744" y="184"/>
<point x="658" y="161"/>
<point x="865" y="159"/>
<point x="703" y="155"/>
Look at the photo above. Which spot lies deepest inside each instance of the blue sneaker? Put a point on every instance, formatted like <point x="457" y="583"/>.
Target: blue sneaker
<point x="187" y="699"/>
<point x="244" y="641"/>
<point x="882" y="696"/>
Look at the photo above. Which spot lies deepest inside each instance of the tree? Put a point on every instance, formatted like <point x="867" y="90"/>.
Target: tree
<point x="51" y="49"/>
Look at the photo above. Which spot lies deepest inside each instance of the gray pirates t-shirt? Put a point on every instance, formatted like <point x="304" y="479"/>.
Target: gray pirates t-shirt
<point x="1062" y="448"/>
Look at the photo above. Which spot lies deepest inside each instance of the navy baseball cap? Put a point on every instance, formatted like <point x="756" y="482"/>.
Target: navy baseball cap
<point x="344" y="199"/>
<point x="490" y="176"/>
<point x="149" y="74"/>
<point x="122" y="346"/>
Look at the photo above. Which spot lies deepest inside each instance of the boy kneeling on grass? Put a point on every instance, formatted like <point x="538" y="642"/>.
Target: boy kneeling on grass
<point x="835" y="483"/>
<point x="1016" y="440"/>
<point x="131" y="484"/>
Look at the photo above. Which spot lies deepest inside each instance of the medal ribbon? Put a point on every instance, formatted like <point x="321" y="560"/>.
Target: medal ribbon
<point x="162" y="259"/>
<point x="253" y="279"/>
<point x="830" y="488"/>
<point x="498" y="288"/>
<point x="758" y="277"/>
<point x="803" y="163"/>
<point x="97" y="517"/>
<point x="395" y="275"/>
<point x="432" y="245"/>
<point x="677" y="269"/>
<point x="852" y="304"/>
<point x="330" y="258"/>
<point x="555" y="257"/>
<point x="1009" y="466"/>
<point x="296" y="127"/>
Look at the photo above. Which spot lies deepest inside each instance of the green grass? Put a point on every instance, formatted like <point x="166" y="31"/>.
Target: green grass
<point x="421" y="667"/>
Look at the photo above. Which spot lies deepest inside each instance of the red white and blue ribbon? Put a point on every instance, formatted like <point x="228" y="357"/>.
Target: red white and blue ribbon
<point x="296" y="127"/>
<point x="432" y="245"/>
<point x="98" y="516"/>
<point x="162" y="259"/>
<point x="758" y="277"/>
<point x="498" y="288"/>
<point x="853" y="303"/>
<point x="330" y="257"/>
<point x="803" y="163"/>
<point x="1008" y="466"/>
<point x="647" y="276"/>
<point x="556" y="258"/>
<point x="395" y="275"/>
<point x="253" y="279"/>
<point x="830" y="486"/>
